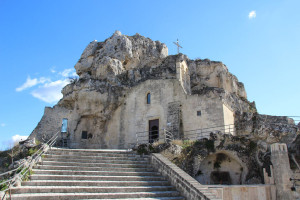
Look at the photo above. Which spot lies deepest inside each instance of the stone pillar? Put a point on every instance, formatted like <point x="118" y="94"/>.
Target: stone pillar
<point x="173" y="119"/>
<point x="282" y="171"/>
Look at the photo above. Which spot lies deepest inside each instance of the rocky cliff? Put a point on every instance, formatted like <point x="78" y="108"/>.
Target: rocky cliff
<point x="108" y="69"/>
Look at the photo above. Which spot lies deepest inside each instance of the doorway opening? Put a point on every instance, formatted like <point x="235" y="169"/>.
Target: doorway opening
<point x="153" y="130"/>
<point x="218" y="177"/>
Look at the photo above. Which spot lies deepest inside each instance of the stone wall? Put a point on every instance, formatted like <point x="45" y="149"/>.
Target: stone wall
<point x="281" y="171"/>
<point x="112" y="120"/>
<point x="184" y="183"/>
<point x="249" y="192"/>
<point x="223" y="163"/>
<point x="228" y="120"/>
<point x="174" y="119"/>
<point x="163" y="95"/>
<point x="50" y="123"/>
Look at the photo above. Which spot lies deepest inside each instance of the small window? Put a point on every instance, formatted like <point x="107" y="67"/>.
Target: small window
<point x="199" y="113"/>
<point x="148" y="98"/>
<point x="64" y="125"/>
<point x="84" y="135"/>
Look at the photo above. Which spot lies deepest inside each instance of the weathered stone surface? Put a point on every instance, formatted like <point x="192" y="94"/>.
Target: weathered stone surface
<point x="29" y="143"/>
<point x="108" y="99"/>
<point x="206" y="73"/>
<point x="119" y="53"/>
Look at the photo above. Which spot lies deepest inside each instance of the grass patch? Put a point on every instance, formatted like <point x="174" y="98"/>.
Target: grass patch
<point x="183" y="143"/>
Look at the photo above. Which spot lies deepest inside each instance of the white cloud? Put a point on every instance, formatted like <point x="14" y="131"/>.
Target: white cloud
<point x="68" y="73"/>
<point x="2" y="124"/>
<point x="17" y="138"/>
<point x="53" y="70"/>
<point x="50" y="92"/>
<point x="31" y="82"/>
<point x="252" y="14"/>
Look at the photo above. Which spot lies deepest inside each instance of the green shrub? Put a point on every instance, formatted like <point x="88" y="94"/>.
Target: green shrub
<point x="31" y="151"/>
<point x="187" y="143"/>
<point x="37" y="142"/>
<point x="3" y="186"/>
<point x="210" y="145"/>
<point x="252" y="146"/>
<point x="142" y="149"/>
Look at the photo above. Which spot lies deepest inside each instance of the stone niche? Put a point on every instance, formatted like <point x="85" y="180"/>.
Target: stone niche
<point x="220" y="168"/>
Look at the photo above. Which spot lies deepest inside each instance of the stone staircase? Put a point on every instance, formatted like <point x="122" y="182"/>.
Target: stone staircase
<point x="94" y="174"/>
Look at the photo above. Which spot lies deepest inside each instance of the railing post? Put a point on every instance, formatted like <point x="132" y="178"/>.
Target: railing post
<point x="137" y="139"/>
<point x="201" y="136"/>
<point x="9" y="193"/>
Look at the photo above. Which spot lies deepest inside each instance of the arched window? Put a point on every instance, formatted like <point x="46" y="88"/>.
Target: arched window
<point x="148" y="98"/>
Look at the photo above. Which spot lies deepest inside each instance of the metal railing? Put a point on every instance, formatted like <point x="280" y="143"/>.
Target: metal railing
<point x="146" y="137"/>
<point x="25" y="168"/>
<point x="198" y="134"/>
<point x="166" y="136"/>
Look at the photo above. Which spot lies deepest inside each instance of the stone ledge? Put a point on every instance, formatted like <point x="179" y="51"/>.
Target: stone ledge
<point x="184" y="183"/>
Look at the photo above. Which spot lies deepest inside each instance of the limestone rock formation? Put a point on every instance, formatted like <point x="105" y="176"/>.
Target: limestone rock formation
<point x="101" y="60"/>
<point x="110" y="73"/>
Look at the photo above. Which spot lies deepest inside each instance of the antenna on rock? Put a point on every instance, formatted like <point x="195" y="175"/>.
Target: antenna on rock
<point x="178" y="46"/>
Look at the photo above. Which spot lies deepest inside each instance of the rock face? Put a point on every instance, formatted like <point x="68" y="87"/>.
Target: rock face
<point x="105" y="60"/>
<point x="206" y="73"/>
<point x="106" y="106"/>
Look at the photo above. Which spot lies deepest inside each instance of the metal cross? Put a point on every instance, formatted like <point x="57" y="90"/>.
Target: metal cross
<point x="178" y="46"/>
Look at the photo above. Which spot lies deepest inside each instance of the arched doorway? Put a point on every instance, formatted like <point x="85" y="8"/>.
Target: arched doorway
<point x="221" y="168"/>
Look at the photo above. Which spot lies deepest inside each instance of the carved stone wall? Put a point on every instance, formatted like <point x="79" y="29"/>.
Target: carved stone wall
<point x="174" y="118"/>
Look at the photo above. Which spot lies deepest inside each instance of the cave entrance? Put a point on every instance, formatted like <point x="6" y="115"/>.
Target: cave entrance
<point x="218" y="177"/>
<point x="153" y="130"/>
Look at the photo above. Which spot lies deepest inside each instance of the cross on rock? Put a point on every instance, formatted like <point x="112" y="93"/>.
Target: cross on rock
<point x="178" y="46"/>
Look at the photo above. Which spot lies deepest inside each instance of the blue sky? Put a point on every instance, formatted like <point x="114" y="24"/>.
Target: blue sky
<point x="41" y="41"/>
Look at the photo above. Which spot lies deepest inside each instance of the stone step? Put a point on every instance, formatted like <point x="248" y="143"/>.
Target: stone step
<point x="133" y="158"/>
<point x="87" y="189"/>
<point x="92" y="153"/>
<point x="95" y="174"/>
<point x="93" y="183"/>
<point x="119" y="161"/>
<point x="103" y="178"/>
<point x="114" y="151"/>
<point x="93" y="164"/>
<point x="81" y="168"/>
<point x="158" y="198"/>
<point x="69" y="196"/>
<point x="100" y="173"/>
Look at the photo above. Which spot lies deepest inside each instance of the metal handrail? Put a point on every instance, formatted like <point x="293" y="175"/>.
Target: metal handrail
<point x="168" y="136"/>
<point x="229" y="125"/>
<point x="202" y="133"/>
<point x="30" y="162"/>
<point x="224" y="128"/>
<point x="143" y="137"/>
